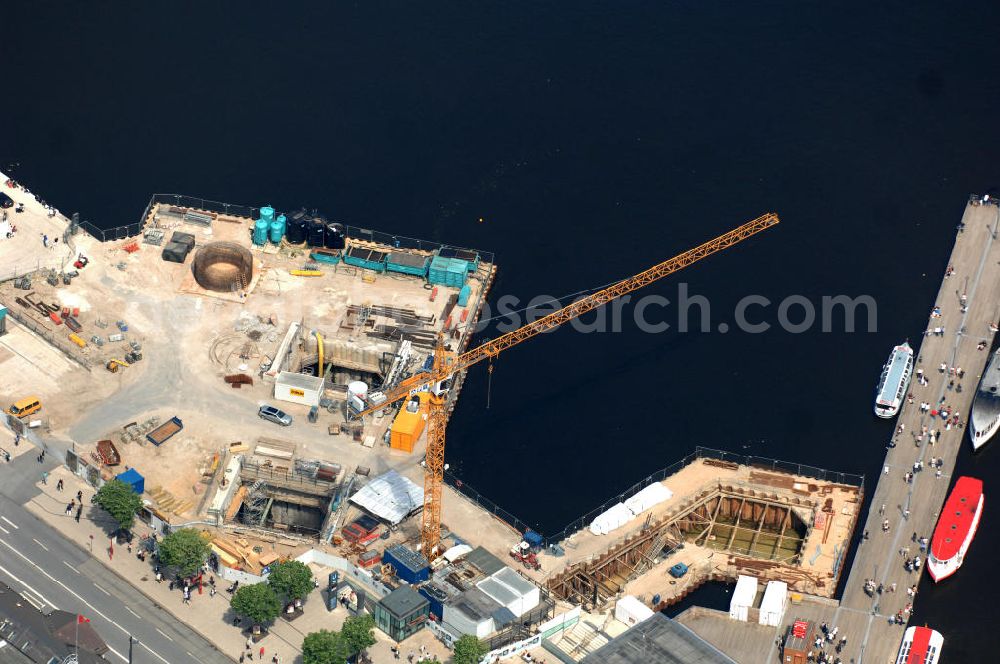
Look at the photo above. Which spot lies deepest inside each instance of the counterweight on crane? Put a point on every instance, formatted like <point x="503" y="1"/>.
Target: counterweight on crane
<point x="448" y="363"/>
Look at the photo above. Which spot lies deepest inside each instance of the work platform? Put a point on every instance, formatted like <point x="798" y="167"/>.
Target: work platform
<point x="956" y="337"/>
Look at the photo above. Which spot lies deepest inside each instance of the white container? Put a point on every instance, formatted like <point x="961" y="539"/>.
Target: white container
<point x="631" y="611"/>
<point x="772" y="607"/>
<point x="743" y="596"/>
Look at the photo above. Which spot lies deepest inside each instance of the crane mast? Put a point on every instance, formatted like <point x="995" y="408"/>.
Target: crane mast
<point x="447" y="363"/>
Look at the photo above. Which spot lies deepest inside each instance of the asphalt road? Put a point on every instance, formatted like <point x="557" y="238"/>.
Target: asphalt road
<point x="51" y="571"/>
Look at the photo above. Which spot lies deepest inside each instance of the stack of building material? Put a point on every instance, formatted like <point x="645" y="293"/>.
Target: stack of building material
<point x="275" y="449"/>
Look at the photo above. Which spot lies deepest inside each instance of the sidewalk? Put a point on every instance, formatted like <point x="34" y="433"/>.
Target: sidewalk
<point x="209" y="616"/>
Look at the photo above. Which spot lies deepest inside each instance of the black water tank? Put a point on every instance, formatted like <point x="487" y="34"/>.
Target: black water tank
<point x="315" y="233"/>
<point x="335" y="236"/>
<point x="295" y="230"/>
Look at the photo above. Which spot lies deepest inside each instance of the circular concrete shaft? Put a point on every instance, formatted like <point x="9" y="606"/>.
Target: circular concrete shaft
<point x="223" y="266"/>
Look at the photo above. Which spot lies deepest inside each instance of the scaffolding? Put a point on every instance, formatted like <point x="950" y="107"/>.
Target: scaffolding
<point x="255" y="504"/>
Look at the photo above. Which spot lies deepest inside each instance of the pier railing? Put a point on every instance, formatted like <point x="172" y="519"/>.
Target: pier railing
<point x="763" y="463"/>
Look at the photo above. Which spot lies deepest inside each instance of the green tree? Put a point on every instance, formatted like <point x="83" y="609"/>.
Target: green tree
<point x="324" y="647"/>
<point x="469" y="650"/>
<point x="358" y="632"/>
<point x="256" y="602"/>
<point x="184" y="549"/>
<point x="120" y="501"/>
<point x="291" y="579"/>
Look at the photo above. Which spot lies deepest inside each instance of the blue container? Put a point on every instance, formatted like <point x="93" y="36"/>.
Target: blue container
<point x="447" y="272"/>
<point x="267" y="214"/>
<point x="277" y="230"/>
<point x="284" y="223"/>
<point x="410" y="565"/>
<point x="260" y="233"/>
<point x="464" y="295"/>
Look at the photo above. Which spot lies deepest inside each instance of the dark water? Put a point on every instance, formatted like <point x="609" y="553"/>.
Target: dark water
<point x="594" y="139"/>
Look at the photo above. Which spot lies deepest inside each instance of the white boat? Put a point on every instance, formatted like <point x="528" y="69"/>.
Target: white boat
<point x="985" y="418"/>
<point x="921" y="645"/>
<point x="894" y="380"/>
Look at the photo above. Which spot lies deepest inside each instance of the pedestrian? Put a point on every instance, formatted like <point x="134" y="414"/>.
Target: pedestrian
<point x="262" y="653"/>
<point x="243" y="658"/>
<point x="881" y="510"/>
<point x="79" y="496"/>
<point x="274" y="660"/>
<point x="42" y="455"/>
<point x="249" y="643"/>
<point x="45" y="478"/>
<point x="59" y="485"/>
<point x="69" y="508"/>
<point x="45" y="240"/>
<point x="79" y="511"/>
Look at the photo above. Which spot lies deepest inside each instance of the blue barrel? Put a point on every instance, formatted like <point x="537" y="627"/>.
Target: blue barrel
<point x="276" y="231"/>
<point x="260" y="233"/>
<point x="267" y="214"/>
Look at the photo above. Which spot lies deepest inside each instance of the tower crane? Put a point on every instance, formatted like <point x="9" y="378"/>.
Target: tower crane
<point x="448" y="363"/>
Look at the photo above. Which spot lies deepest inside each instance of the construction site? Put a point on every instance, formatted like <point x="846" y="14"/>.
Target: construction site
<point x="285" y="382"/>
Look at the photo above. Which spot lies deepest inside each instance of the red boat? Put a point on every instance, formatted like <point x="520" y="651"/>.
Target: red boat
<point x="955" y="528"/>
<point x="921" y="645"/>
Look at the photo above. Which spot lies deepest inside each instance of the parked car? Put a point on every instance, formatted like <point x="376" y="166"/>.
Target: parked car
<point x="272" y="414"/>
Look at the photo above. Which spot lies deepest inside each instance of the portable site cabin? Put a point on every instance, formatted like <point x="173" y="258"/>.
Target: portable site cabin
<point x="298" y="388"/>
<point x="743" y="597"/>
<point x="409" y="423"/>
<point x="631" y="611"/>
<point x="772" y="607"/>
<point x="511" y="591"/>
<point x="473" y="612"/>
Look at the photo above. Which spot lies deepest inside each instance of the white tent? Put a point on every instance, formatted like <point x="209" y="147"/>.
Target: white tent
<point x="631" y="611"/>
<point x="743" y="597"/>
<point x="390" y="496"/>
<point x="511" y="590"/>
<point x="456" y="552"/>
<point x="616" y="517"/>
<point x="653" y="494"/>
<point x="772" y="607"/>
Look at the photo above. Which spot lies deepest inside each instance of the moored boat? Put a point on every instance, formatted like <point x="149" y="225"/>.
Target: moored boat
<point x="893" y="382"/>
<point x="921" y="645"/>
<point x="985" y="418"/>
<point x="955" y="528"/>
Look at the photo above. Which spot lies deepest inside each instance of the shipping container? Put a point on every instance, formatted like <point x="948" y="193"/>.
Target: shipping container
<point x="410" y="566"/>
<point x="743" y="597"/>
<point x="409" y="423"/>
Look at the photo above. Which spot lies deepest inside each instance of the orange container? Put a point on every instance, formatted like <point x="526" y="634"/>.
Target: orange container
<point x="409" y="423"/>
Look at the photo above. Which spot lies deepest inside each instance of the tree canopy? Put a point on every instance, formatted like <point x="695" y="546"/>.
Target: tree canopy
<point x="358" y="632"/>
<point x="256" y="602"/>
<point x="291" y="579"/>
<point x="324" y="647"/>
<point x="184" y="549"/>
<point x="120" y="501"/>
<point x="469" y="650"/>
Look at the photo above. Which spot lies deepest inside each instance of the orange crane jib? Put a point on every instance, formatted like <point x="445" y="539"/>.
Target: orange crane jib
<point x="448" y="363"/>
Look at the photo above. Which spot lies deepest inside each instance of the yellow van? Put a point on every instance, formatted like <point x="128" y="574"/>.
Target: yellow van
<point x="26" y="407"/>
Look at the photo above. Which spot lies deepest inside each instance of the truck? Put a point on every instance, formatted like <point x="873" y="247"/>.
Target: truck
<point x="165" y="431"/>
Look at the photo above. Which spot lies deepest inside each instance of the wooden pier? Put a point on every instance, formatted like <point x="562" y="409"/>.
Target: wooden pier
<point x="955" y="338"/>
